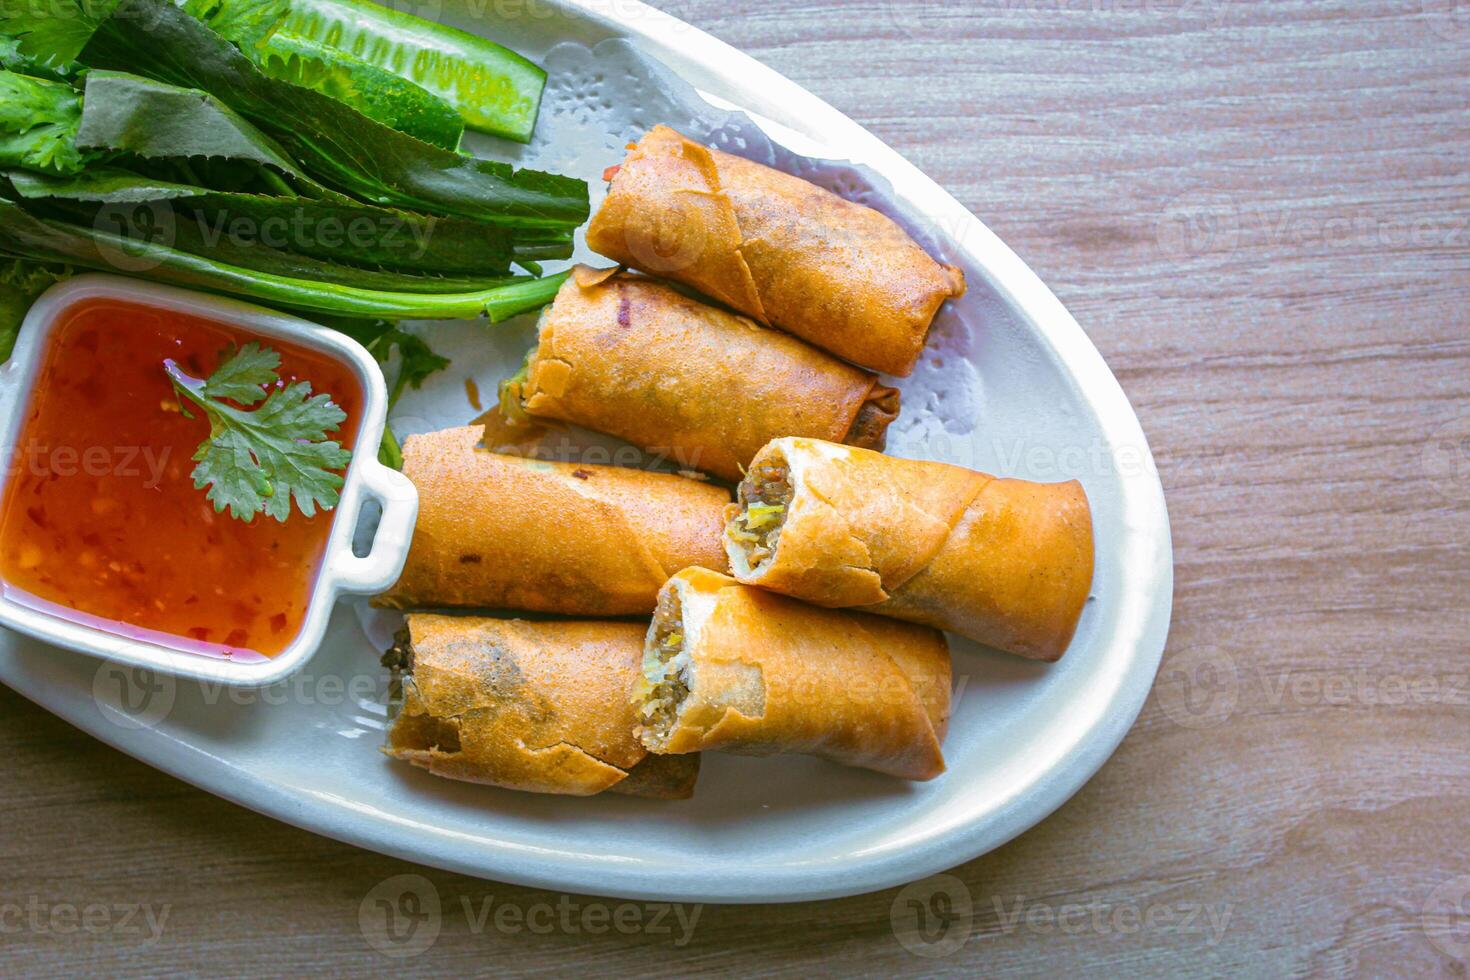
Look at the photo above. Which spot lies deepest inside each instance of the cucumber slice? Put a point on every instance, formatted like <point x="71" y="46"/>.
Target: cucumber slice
<point x="496" y="90"/>
<point x="375" y="92"/>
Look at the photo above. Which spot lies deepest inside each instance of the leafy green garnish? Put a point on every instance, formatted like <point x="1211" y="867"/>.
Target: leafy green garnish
<point x="336" y="143"/>
<point x="13" y="59"/>
<point x="53" y="33"/>
<point x="247" y="24"/>
<point x="414" y="364"/>
<point x="50" y="240"/>
<point x="259" y="460"/>
<point x="38" y="124"/>
<point x="331" y="229"/>
<point x="129" y="114"/>
<point x="20" y="283"/>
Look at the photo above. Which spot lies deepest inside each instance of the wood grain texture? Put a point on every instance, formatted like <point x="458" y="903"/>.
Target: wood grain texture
<point x="1260" y="212"/>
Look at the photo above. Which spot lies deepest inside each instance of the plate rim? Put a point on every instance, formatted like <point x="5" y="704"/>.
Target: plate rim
<point x="718" y="69"/>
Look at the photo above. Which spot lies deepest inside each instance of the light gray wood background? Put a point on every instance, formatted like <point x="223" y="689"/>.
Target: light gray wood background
<point x="1260" y="212"/>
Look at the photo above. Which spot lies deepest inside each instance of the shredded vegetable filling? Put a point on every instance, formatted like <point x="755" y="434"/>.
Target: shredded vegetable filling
<point x="765" y="495"/>
<point x="666" y="666"/>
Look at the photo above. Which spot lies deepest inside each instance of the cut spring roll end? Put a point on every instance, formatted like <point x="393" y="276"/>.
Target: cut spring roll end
<point x="525" y="706"/>
<point x="1008" y="563"/>
<point x="821" y="560"/>
<point x="733" y="668"/>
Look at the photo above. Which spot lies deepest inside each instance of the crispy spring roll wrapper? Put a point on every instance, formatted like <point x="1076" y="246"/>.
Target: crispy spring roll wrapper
<point x="540" y="707"/>
<point x="739" y="669"/>
<point x="503" y="532"/>
<point x="629" y="356"/>
<point x="775" y="247"/>
<point x="1004" y="562"/>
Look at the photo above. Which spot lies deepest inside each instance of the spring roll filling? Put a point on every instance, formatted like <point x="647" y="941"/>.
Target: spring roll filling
<point x="667" y="668"/>
<point x="416" y="733"/>
<point x="512" y="406"/>
<point x="765" y="496"/>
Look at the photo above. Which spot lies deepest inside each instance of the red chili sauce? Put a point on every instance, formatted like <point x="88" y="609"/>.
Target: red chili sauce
<point x="101" y="523"/>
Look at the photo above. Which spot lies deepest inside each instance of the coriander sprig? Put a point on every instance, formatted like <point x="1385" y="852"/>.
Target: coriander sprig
<point x="257" y="460"/>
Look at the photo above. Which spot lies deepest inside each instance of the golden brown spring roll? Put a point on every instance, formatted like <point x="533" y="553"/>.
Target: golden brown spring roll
<point x="540" y="707"/>
<point x="629" y="356"/>
<point x="502" y="532"/>
<point x="775" y="247"/>
<point x="1004" y="562"/>
<point x="739" y="669"/>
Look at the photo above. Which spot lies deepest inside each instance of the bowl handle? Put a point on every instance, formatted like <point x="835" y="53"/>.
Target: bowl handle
<point x="381" y="566"/>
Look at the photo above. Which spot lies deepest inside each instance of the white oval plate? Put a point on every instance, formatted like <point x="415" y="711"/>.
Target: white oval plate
<point x="1028" y="395"/>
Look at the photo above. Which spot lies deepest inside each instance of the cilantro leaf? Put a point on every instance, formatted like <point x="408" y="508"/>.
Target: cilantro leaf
<point x="416" y="362"/>
<point x="247" y="24"/>
<point x="260" y="460"/>
<point x="244" y="376"/>
<point x="38" y="124"/>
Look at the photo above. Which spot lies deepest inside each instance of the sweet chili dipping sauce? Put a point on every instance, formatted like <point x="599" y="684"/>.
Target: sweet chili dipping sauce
<point x="101" y="522"/>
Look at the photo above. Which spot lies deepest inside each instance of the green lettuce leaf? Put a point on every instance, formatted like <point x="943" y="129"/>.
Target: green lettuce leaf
<point x="129" y="114"/>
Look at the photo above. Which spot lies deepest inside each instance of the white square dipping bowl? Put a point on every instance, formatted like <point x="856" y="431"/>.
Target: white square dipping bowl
<point x="341" y="572"/>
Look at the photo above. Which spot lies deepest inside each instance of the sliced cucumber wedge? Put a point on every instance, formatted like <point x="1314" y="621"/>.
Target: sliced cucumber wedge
<point x="376" y="92"/>
<point x="496" y="90"/>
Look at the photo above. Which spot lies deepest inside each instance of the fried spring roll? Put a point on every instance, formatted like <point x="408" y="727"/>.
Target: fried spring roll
<point x="1004" y="562"/>
<point x="631" y="357"/>
<point x="739" y="669"/>
<point x="540" y="707"/>
<point x="775" y="247"/>
<point x="502" y="532"/>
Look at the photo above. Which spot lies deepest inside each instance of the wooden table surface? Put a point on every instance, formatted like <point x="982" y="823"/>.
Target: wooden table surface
<point x="1260" y="212"/>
